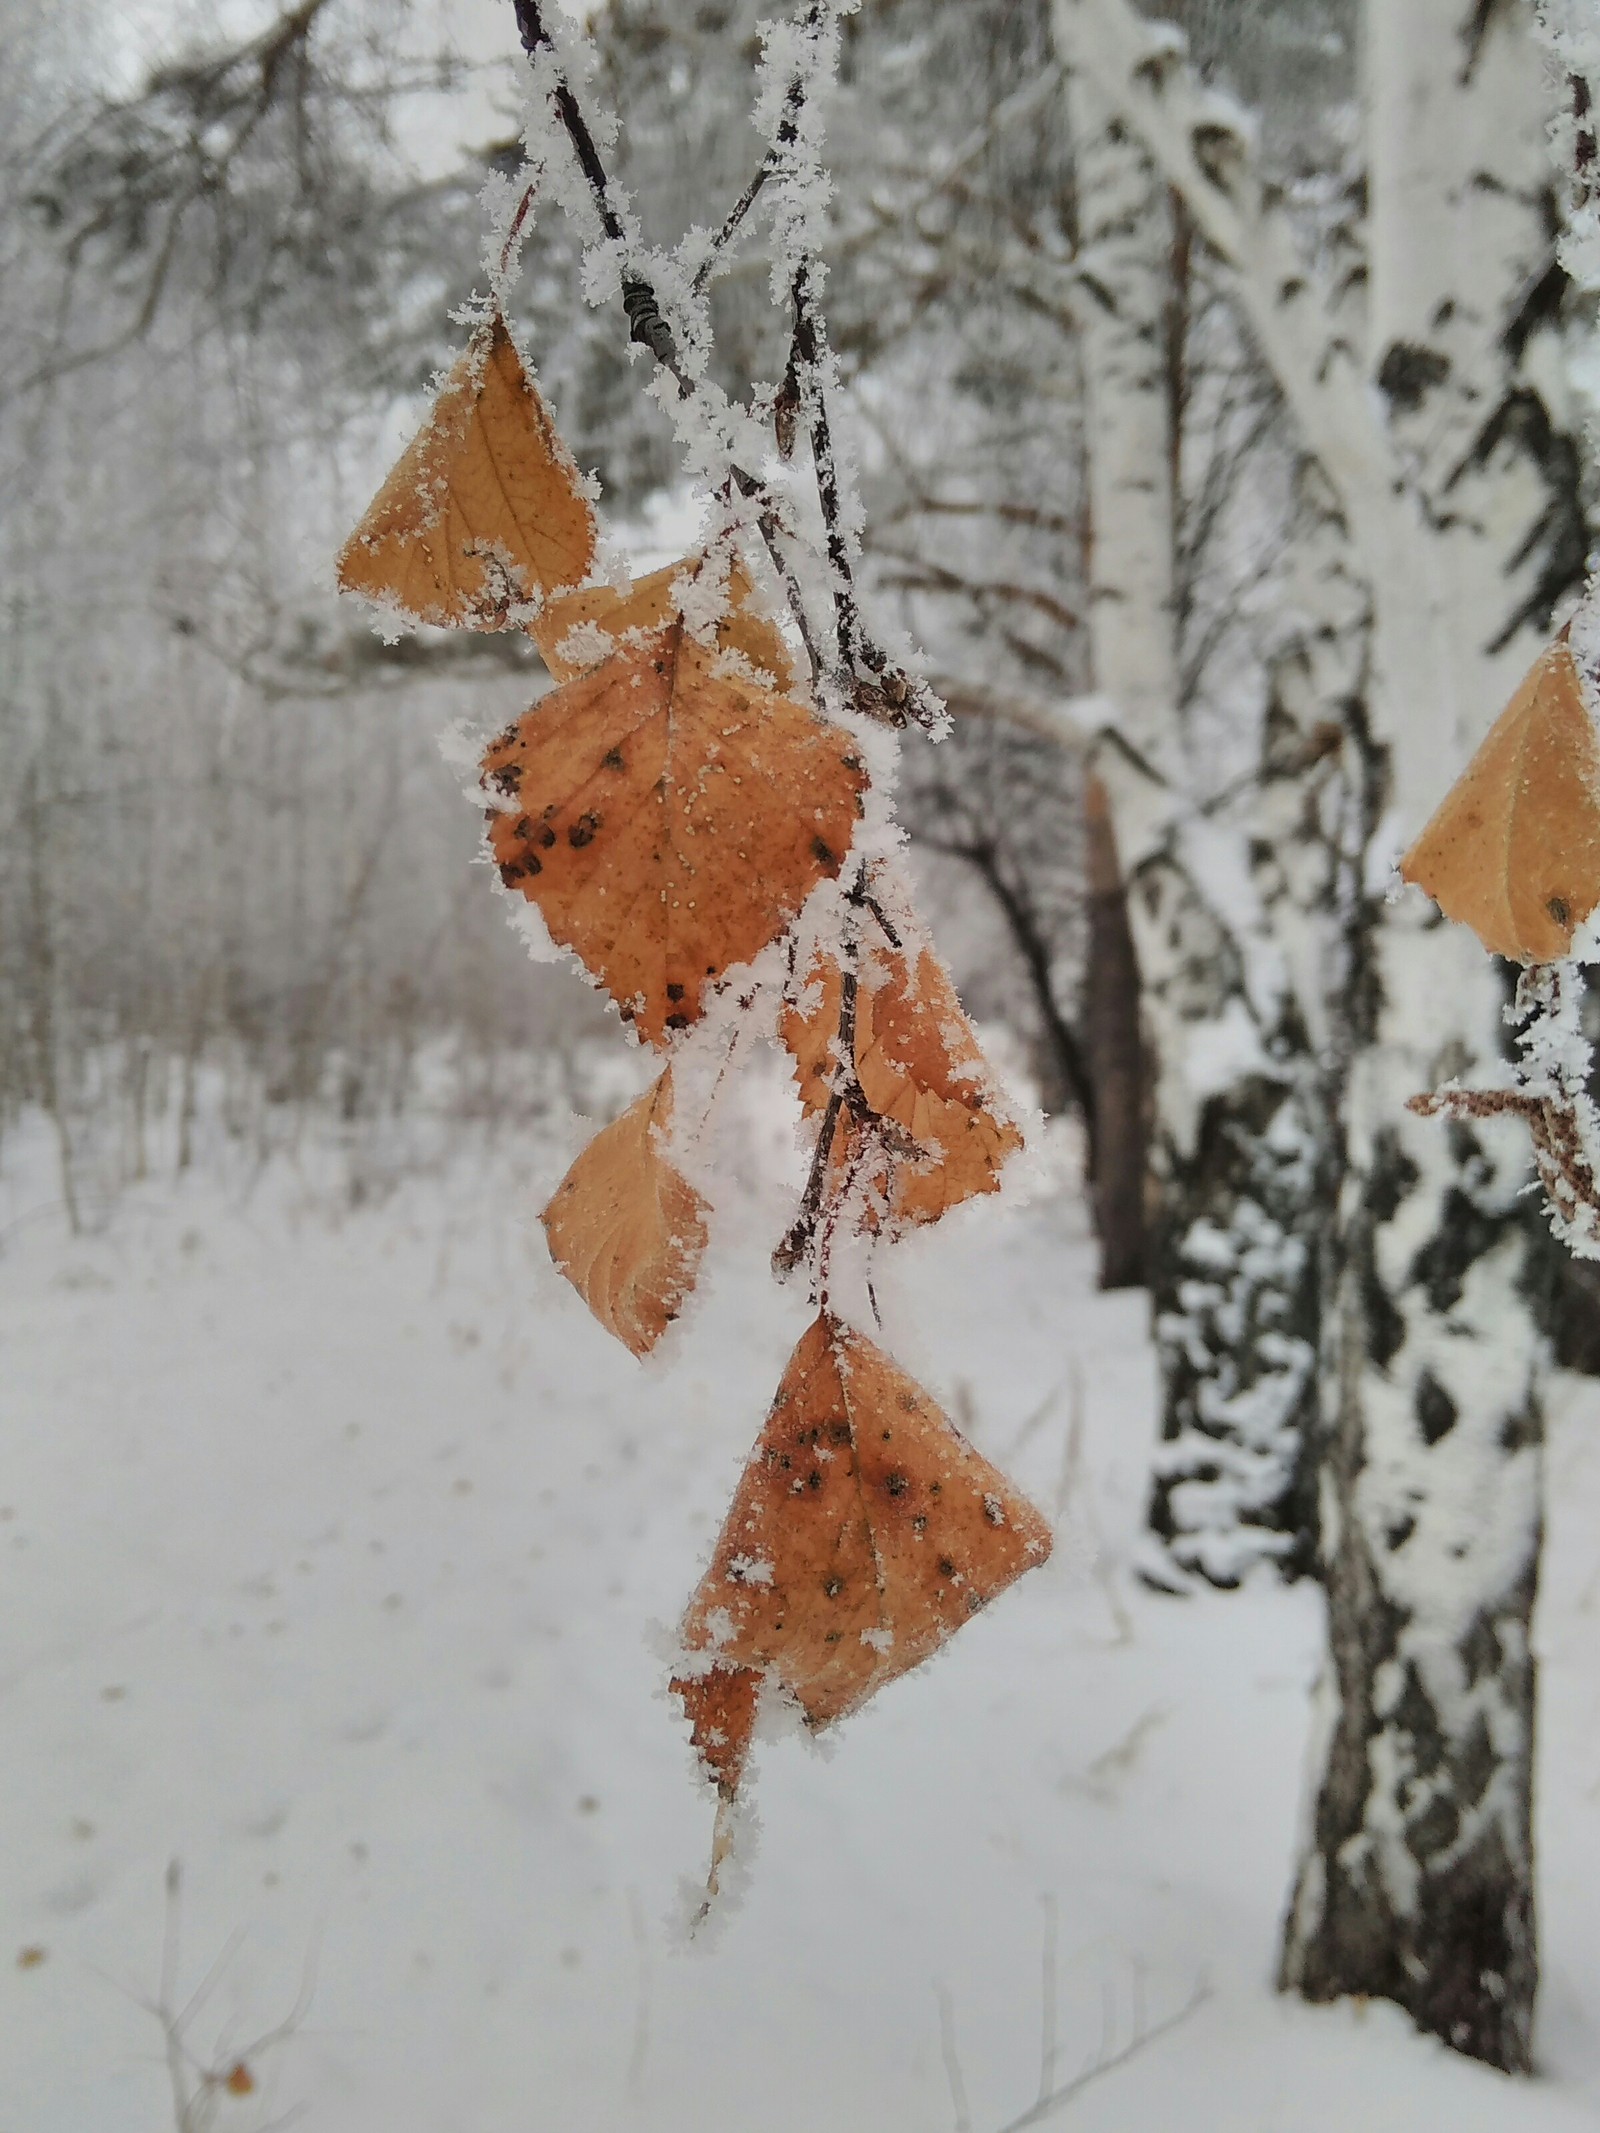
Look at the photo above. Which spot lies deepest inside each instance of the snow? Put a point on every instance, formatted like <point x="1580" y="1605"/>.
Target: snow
<point x="1570" y="32"/>
<point x="341" y="1547"/>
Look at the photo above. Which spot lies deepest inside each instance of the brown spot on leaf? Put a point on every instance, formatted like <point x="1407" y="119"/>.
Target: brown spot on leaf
<point x="671" y="855"/>
<point x="852" y="1601"/>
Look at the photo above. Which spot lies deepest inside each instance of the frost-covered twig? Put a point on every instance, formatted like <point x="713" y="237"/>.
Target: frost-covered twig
<point x="1549" y="1091"/>
<point x="788" y="125"/>
<point x="863" y="677"/>
<point x="805" y="56"/>
<point x="811" y="1232"/>
<point x="639" y="296"/>
<point x="872" y="685"/>
<point x="645" y="323"/>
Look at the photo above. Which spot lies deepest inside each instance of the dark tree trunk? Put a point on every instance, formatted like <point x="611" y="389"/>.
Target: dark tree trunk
<point x="1114" y="1057"/>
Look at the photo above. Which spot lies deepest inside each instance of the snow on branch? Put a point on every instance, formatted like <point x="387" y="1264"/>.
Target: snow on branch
<point x="1570" y="33"/>
<point x="1550" y="1092"/>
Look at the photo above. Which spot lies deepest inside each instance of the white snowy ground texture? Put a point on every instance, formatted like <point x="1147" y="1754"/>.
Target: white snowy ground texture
<point x="337" y="1549"/>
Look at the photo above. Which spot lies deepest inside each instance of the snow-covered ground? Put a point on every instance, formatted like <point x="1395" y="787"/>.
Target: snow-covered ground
<point x="337" y="1550"/>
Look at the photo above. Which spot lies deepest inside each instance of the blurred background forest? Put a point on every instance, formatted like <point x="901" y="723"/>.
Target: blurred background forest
<point x="1218" y="397"/>
<point x="228" y="840"/>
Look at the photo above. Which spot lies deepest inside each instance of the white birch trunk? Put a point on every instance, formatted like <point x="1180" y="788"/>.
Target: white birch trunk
<point x="1417" y="1877"/>
<point x="1234" y="1255"/>
<point x="1442" y="449"/>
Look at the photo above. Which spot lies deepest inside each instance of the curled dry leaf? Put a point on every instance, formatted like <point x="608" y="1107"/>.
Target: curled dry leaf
<point x="484" y="508"/>
<point x="628" y="1230"/>
<point x="577" y="631"/>
<point x="1514" y="850"/>
<point x="865" y="1531"/>
<point x="668" y="823"/>
<point x="918" y="1064"/>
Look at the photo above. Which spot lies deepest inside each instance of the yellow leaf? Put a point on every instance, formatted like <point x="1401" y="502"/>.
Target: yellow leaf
<point x="865" y="1531"/>
<point x="484" y="508"/>
<point x="628" y="1230"/>
<point x="1514" y="849"/>
<point x="597" y="614"/>
<point x="669" y="824"/>
<point x="918" y="1064"/>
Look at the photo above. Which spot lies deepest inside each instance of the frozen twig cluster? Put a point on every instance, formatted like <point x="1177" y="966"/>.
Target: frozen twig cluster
<point x="664" y="298"/>
<point x="1550" y="1091"/>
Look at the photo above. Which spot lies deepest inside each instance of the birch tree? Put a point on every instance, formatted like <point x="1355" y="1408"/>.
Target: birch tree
<point x="1452" y="490"/>
<point x="1236" y="1151"/>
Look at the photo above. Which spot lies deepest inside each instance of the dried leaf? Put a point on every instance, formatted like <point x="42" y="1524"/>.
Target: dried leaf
<point x="919" y="1064"/>
<point x="669" y="824"/>
<point x="628" y="1230"/>
<point x="597" y="613"/>
<point x="1514" y="851"/>
<point x="484" y="507"/>
<point x="720" y="1706"/>
<point x="865" y="1531"/>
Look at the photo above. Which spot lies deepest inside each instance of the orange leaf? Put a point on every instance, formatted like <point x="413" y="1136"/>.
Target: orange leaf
<point x="864" y="1532"/>
<point x="482" y="509"/>
<point x="599" y="614"/>
<point x="1514" y="850"/>
<point x="668" y="824"/>
<point x="240" y="2081"/>
<point x="626" y="1229"/>
<point x="720" y="1706"/>
<point x="919" y="1064"/>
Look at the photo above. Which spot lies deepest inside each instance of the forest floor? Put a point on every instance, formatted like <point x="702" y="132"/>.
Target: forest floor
<point x="337" y="1552"/>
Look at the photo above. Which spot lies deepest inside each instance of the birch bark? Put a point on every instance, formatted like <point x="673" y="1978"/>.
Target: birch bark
<point x="1417" y="1879"/>
<point x="1234" y="1252"/>
<point x="1440" y="435"/>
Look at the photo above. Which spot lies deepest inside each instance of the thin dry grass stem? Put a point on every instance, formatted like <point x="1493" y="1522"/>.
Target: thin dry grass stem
<point x="199" y="2085"/>
<point x="1049" y="1994"/>
<point x="1110" y="2056"/>
<point x="952" y="2059"/>
<point x="1075" y="1490"/>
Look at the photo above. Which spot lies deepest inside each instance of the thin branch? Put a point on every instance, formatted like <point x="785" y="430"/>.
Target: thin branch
<point x="814" y="1224"/>
<point x="1048" y="1990"/>
<point x="1030" y="944"/>
<point x="788" y="131"/>
<point x="920" y="575"/>
<point x="734" y="217"/>
<point x="1107" y="2062"/>
<point x="808" y="364"/>
<point x="892" y="695"/>
<point x="1010" y="514"/>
